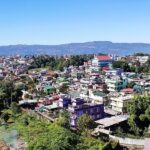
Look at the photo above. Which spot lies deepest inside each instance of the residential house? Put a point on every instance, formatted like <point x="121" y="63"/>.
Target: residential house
<point x="79" y="107"/>
<point x="101" y="61"/>
<point x="119" y="102"/>
<point x="98" y="97"/>
<point x="116" y="83"/>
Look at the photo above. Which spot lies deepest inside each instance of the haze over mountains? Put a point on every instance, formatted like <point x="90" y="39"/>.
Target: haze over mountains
<point x="77" y="48"/>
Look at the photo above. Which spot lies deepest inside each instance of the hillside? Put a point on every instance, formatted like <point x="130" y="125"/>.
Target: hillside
<point x="77" y="48"/>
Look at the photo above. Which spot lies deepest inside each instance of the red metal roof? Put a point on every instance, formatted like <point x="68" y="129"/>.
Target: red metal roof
<point x="105" y="68"/>
<point x="103" y="57"/>
<point x="130" y="90"/>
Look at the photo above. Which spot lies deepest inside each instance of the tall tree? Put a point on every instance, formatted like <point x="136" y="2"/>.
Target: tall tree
<point x="139" y="114"/>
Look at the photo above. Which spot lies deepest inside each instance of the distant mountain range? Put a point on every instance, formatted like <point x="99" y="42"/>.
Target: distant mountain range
<point x="77" y="48"/>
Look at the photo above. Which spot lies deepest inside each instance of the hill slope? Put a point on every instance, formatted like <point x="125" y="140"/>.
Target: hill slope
<point x="77" y="48"/>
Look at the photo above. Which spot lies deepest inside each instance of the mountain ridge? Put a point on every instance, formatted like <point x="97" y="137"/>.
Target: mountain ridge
<point x="93" y="47"/>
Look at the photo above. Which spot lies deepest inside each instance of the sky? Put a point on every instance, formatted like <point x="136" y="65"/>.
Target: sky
<point x="69" y="21"/>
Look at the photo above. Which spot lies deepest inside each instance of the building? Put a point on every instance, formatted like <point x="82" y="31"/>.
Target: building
<point x="119" y="102"/>
<point x="116" y="83"/>
<point x="79" y="107"/>
<point x="101" y="61"/>
<point x="98" y="97"/>
<point x="64" y="101"/>
<point x="142" y="59"/>
<point x="114" y="72"/>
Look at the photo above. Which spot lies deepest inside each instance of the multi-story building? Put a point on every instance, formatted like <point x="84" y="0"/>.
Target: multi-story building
<point x="119" y="103"/>
<point x="114" y="72"/>
<point x="101" y="61"/>
<point x="98" y="97"/>
<point x="79" y="107"/>
<point x="64" y="101"/>
<point x="116" y="83"/>
<point x="142" y="59"/>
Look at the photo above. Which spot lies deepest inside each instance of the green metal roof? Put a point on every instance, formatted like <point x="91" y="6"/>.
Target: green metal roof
<point x="98" y="93"/>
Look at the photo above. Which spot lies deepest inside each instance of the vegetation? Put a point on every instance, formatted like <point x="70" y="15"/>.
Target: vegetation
<point x="85" y="122"/>
<point x="52" y="136"/>
<point x="58" y="63"/>
<point x="9" y="92"/>
<point x="139" y="114"/>
<point x="139" y="118"/>
<point x="121" y="64"/>
<point x="42" y="136"/>
<point x="132" y="68"/>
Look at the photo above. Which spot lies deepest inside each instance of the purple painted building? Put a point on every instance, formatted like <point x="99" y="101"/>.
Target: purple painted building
<point x="64" y="102"/>
<point x="80" y="108"/>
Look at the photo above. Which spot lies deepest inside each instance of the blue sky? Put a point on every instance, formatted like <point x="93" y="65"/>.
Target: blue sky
<point x="65" y="21"/>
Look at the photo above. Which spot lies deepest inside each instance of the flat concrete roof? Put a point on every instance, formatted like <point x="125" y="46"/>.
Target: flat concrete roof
<point x="104" y="131"/>
<point x="107" y="122"/>
<point x="111" y="112"/>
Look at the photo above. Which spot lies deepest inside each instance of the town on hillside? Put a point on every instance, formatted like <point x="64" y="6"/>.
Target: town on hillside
<point x="105" y="96"/>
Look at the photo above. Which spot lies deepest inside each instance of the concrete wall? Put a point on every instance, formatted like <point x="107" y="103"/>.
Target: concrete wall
<point x="128" y="141"/>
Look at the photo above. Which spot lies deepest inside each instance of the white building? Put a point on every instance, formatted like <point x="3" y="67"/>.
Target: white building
<point x="142" y="59"/>
<point x="119" y="102"/>
<point x="116" y="83"/>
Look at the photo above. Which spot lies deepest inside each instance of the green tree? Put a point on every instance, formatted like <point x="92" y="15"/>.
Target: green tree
<point x="15" y="108"/>
<point x="63" y="119"/>
<point x="112" y="145"/>
<point x="85" y="122"/>
<point x="56" y="138"/>
<point x="2" y="96"/>
<point x="139" y="114"/>
<point x="89" y="143"/>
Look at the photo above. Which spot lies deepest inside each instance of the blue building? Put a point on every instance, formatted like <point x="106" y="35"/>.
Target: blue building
<point x="79" y="107"/>
<point x="64" y="102"/>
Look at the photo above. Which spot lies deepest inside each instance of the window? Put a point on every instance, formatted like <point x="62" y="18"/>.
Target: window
<point x="98" y="109"/>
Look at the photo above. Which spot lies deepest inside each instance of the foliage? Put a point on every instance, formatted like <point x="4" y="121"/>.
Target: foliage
<point x="112" y="145"/>
<point x="89" y="143"/>
<point x="9" y="92"/>
<point x="15" y="108"/>
<point x="6" y="117"/>
<point x="58" y="63"/>
<point x="85" y="122"/>
<point x="137" y="67"/>
<point x="46" y="136"/>
<point x="63" y="119"/>
<point x="121" y="64"/>
<point x="43" y="136"/>
<point x="139" y="114"/>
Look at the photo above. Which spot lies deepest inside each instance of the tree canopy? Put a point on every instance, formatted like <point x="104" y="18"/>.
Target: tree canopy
<point x="85" y="122"/>
<point x="139" y="114"/>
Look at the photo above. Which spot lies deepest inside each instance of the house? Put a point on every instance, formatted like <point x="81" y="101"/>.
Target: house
<point x="101" y="61"/>
<point x="119" y="102"/>
<point x="114" y="72"/>
<point x="79" y="107"/>
<point x="64" y="101"/>
<point x="116" y="83"/>
<point x="128" y="91"/>
<point x="142" y="59"/>
<point x="98" y="97"/>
